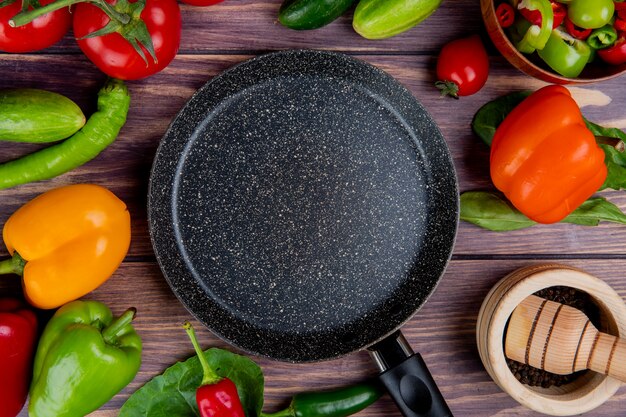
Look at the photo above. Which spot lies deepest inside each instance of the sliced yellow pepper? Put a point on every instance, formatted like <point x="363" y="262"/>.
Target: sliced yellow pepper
<point x="66" y="243"/>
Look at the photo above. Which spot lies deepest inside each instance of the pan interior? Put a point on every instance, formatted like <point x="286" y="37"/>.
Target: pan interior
<point x="303" y="205"/>
<point x="299" y="208"/>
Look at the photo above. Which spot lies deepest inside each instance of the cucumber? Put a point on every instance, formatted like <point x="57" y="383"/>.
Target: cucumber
<point x="380" y="19"/>
<point x="37" y="116"/>
<point x="311" y="14"/>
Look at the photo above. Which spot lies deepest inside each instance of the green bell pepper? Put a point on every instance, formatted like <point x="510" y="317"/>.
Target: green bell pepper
<point x="603" y="37"/>
<point x="590" y="14"/>
<point x="84" y="358"/>
<point x="536" y="37"/>
<point x="565" y="54"/>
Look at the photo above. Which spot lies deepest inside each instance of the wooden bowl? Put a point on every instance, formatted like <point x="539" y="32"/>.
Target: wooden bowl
<point x="583" y="394"/>
<point x="591" y="74"/>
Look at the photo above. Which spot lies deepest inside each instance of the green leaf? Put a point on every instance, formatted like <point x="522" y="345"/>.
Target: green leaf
<point x="492" y="212"/>
<point x="173" y="394"/>
<point x="489" y="116"/>
<point x="615" y="161"/>
<point x="595" y="210"/>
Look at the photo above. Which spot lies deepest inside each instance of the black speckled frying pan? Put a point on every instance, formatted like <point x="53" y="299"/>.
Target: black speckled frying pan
<point x="303" y="205"/>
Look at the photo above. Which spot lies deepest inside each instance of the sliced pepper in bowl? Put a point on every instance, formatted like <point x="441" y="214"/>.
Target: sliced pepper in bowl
<point x="565" y="54"/>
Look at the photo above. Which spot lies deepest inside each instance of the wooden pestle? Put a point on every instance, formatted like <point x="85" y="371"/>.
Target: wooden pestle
<point x="561" y="339"/>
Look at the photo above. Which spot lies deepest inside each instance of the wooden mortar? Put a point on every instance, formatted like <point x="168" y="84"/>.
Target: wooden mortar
<point x="586" y="392"/>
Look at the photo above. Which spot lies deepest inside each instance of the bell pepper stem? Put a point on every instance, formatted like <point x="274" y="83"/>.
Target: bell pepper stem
<point x="616" y="143"/>
<point x="111" y="332"/>
<point x="26" y="17"/>
<point x="209" y="375"/>
<point x="14" y="265"/>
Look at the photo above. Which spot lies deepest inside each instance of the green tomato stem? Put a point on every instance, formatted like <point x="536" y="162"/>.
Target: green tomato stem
<point x="209" y="375"/>
<point x="27" y="17"/>
<point x="14" y="265"/>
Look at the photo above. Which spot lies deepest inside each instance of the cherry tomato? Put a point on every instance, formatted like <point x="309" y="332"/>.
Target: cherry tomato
<point x="506" y="15"/>
<point x="43" y="32"/>
<point x="114" y="55"/>
<point x="534" y="16"/>
<point x="462" y="67"/>
<point x="201" y="2"/>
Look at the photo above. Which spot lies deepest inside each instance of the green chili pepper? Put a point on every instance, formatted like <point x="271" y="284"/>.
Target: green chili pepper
<point x="603" y="37"/>
<point x="338" y="403"/>
<point x="84" y="358"/>
<point x="99" y="132"/>
<point x="536" y="37"/>
<point x="565" y="54"/>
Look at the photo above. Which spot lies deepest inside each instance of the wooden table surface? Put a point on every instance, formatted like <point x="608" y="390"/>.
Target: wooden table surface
<point x="219" y="37"/>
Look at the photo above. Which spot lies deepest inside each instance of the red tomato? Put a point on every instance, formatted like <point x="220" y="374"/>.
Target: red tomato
<point x="201" y="2"/>
<point x="41" y="33"/>
<point x="462" y="67"/>
<point x="114" y="55"/>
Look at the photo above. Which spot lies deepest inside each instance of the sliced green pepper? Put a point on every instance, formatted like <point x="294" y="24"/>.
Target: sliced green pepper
<point x="565" y="54"/>
<point x="536" y="37"/>
<point x="603" y="37"/>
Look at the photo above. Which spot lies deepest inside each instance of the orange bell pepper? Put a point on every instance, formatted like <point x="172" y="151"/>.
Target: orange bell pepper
<point x="543" y="157"/>
<point x="66" y="243"/>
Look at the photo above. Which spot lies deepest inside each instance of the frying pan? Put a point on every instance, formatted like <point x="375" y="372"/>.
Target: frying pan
<point x="303" y="205"/>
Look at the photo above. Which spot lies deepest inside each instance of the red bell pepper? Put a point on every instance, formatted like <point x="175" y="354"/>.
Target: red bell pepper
<point x="575" y="31"/>
<point x="534" y="16"/>
<point x="18" y="334"/>
<point x="616" y="54"/>
<point x="217" y="396"/>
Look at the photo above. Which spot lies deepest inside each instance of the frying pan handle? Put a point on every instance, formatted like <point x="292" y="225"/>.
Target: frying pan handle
<point x="407" y="379"/>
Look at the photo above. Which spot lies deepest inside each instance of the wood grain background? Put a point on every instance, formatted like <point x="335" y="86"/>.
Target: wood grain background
<point x="219" y="37"/>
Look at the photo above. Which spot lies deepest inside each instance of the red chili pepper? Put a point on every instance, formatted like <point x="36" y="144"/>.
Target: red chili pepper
<point x="217" y="396"/>
<point x="576" y="31"/>
<point x="616" y="54"/>
<point x="506" y="15"/>
<point x="534" y="16"/>
<point x="620" y="24"/>
<point x="18" y="334"/>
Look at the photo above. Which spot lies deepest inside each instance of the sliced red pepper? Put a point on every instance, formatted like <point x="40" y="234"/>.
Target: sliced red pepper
<point x="506" y="15"/>
<point x="620" y="6"/>
<point x="620" y="24"/>
<point x="576" y="31"/>
<point x="534" y="16"/>
<point x="616" y="54"/>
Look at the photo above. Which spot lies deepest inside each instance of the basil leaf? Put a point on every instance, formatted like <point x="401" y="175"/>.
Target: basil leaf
<point x="488" y="117"/>
<point x="174" y="392"/>
<point x="490" y="211"/>
<point x="595" y="210"/>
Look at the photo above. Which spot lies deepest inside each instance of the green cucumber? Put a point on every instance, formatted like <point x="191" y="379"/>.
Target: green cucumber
<point x="380" y="19"/>
<point x="311" y="14"/>
<point x="37" y="116"/>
